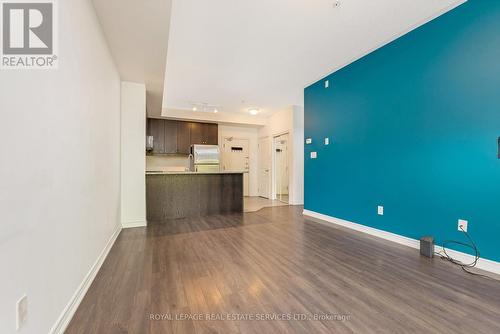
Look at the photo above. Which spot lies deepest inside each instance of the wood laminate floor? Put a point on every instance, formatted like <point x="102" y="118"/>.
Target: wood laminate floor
<point x="274" y="264"/>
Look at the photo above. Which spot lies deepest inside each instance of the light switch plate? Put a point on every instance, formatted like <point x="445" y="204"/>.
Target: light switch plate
<point x="462" y="225"/>
<point x="380" y="210"/>
<point x="327" y="83"/>
<point x="327" y="141"/>
<point x="309" y="141"/>
<point x="314" y="155"/>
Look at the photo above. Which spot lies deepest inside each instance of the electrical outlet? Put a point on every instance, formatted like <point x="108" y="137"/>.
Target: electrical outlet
<point x="21" y="312"/>
<point x="309" y="141"/>
<point x="314" y="155"/>
<point x="327" y="83"/>
<point x="462" y="225"/>
<point x="327" y="141"/>
<point x="380" y="210"/>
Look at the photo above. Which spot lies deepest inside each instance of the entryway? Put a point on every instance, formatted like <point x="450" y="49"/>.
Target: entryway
<point x="235" y="157"/>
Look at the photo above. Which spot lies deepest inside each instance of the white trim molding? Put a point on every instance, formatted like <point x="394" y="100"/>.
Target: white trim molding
<point x="136" y="223"/>
<point x="484" y="264"/>
<point x="70" y="309"/>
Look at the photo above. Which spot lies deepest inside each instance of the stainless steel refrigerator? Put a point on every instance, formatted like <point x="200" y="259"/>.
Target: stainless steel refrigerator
<point x="205" y="158"/>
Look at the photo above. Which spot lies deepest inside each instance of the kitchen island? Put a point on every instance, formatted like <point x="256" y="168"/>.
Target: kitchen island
<point x="172" y="195"/>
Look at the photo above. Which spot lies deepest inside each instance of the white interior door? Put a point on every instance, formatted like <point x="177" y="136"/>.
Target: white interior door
<point x="281" y="170"/>
<point x="265" y="167"/>
<point x="236" y="157"/>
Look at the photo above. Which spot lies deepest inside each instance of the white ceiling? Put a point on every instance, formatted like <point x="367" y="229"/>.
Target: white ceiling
<point x="137" y="34"/>
<point x="238" y="54"/>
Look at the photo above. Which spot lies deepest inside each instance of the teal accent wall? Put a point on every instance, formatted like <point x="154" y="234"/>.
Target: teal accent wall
<point x="414" y="126"/>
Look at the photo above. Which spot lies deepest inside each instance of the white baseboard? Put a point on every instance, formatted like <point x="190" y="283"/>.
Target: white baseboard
<point x="132" y="224"/>
<point x="70" y="309"/>
<point x="484" y="264"/>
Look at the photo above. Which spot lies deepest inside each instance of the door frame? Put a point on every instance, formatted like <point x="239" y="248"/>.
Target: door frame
<point x="259" y="164"/>
<point x="273" y="164"/>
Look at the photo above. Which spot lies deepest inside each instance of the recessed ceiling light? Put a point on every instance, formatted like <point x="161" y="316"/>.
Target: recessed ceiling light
<point x="216" y="111"/>
<point x="194" y="108"/>
<point x="253" y="111"/>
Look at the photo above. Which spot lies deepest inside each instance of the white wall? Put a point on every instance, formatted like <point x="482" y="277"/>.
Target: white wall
<point x="298" y="156"/>
<point x="291" y="121"/>
<point x="280" y="122"/>
<point x="59" y="171"/>
<point x="133" y="154"/>
<point x="245" y="132"/>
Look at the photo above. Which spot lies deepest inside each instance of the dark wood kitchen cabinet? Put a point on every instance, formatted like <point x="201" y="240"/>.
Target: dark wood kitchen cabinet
<point x="196" y="133"/>
<point x="171" y="144"/>
<point x="204" y="134"/>
<point x="156" y="128"/>
<point x="176" y="137"/>
<point x="164" y="134"/>
<point x="211" y="134"/>
<point x="183" y="138"/>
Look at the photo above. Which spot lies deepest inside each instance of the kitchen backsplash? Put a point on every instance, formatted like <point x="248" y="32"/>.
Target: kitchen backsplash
<point x="166" y="163"/>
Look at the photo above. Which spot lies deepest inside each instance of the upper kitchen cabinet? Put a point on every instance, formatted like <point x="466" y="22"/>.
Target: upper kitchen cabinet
<point x="183" y="137"/>
<point x="211" y="134"/>
<point x="204" y="134"/>
<point x="196" y="133"/>
<point x="164" y="134"/>
<point x="171" y="144"/>
<point x="176" y="137"/>
<point x="156" y="128"/>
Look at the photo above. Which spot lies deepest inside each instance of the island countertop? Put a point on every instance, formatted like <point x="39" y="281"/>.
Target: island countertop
<point x="192" y="173"/>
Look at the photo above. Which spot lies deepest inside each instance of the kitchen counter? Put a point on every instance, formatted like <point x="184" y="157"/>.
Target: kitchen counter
<point x="173" y="195"/>
<point x="190" y="172"/>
